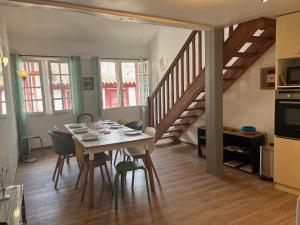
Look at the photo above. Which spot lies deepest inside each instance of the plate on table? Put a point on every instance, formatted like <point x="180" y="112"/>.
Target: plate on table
<point x="108" y="122"/>
<point x="133" y="132"/>
<point x="114" y="126"/>
<point x="89" y="137"/>
<point x="75" y="125"/>
<point x="81" y="130"/>
<point x="105" y="131"/>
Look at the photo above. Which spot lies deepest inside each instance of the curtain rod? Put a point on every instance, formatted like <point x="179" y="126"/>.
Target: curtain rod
<point x="54" y="56"/>
<point x="44" y="56"/>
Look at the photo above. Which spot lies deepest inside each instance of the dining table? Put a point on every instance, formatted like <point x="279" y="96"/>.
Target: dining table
<point x="108" y="139"/>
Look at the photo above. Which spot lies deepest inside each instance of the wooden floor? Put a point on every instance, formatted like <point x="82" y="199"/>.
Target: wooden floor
<point x="188" y="195"/>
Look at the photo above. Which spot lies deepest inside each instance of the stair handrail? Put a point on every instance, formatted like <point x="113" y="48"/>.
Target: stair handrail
<point x="177" y="58"/>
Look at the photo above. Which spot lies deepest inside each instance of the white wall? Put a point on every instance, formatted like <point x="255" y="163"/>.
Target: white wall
<point x="165" y="44"/>
<point x="40" y="124"/>
<point x="8" y="129"/>
<point x="244" y="103"/>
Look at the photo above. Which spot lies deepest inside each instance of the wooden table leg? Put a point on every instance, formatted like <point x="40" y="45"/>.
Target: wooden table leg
<point x="91" y="180"/>
<point x="150" y="171"/>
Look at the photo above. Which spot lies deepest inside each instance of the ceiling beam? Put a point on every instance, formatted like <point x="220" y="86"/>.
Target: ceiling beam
<point x="107" y="13"/>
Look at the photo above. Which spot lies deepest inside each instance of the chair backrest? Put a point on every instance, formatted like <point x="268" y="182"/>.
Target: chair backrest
<point x="85" y="117"/>
<point x="136" y="125"/>
<point x="62" y="142"/>
<point x="122" y="121"/>
<point x="150" y="131"/>
<point x="79" y="151"/>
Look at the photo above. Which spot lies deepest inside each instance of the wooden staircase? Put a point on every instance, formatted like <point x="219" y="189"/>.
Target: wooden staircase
<point x="179" y="98"/>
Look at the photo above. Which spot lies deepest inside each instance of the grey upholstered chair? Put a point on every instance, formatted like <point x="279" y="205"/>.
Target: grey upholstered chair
<point x="63" y="146"/>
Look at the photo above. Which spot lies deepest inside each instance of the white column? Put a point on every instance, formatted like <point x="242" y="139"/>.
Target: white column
<point x="214" y="40"/>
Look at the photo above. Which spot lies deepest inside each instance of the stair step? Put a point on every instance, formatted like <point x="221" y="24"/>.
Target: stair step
<point x="168" y="136"/>
<point x="187" y="116"/>
<point x="195" y="108"/>
<point x="245" y="54"/>
<point x="180" y="123"/>
<point x="199" y="100"/>
<point x="174" y="130"/>
<point x="260" y="39"/>
<point x="234" y="67"/>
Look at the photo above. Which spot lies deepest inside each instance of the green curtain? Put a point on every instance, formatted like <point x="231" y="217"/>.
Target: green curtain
<point x="143" y="115"/>
<point x="19" y="102"/>
<point x="77" y="90"/>
<point x="98" y="90"/>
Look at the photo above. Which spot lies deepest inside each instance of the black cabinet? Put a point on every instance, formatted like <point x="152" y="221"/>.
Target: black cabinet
<point x="241" y="151"/>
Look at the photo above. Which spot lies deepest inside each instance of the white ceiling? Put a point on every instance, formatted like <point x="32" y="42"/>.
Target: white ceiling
<point x="49" y="26"/>
<point x="210" y="12"/>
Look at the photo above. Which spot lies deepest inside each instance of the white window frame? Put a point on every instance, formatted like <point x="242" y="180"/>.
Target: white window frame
<point x="4" y="90"/>
<point x="118" y="65"/>
<point x="59" y="61"/>
<point x="47" y="85"/>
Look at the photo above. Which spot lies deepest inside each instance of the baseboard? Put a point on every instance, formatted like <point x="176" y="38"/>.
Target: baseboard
<point x="291" y="190"/>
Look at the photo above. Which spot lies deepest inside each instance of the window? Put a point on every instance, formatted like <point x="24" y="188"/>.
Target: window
<point x="60" y="85"/>
<point x="3" y="110"/>
<point x="33" y="87"/>
<point x="124" y="83"/>
<point x="47" y="89"/>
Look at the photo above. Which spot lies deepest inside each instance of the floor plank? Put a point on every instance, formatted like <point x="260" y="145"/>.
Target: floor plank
<point x="188" y="195"/>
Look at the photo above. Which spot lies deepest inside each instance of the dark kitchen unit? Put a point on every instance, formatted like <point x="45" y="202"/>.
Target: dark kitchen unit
<point x="241" y="151"/>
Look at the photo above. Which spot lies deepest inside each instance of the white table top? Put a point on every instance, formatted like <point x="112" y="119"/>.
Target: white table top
<point x="114" y="138"/>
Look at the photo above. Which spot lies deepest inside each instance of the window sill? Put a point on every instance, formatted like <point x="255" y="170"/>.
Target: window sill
<point x="125" y="107"/>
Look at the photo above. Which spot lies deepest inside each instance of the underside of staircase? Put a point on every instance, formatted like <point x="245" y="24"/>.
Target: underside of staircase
<point x="179" y="98"/>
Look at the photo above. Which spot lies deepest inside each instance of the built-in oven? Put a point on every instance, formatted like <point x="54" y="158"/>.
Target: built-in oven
<point x="287" y="113"/>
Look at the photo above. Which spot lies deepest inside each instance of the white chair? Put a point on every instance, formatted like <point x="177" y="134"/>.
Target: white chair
<point x="137" y="153"/>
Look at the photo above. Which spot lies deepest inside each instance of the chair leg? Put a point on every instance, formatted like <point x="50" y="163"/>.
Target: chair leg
<point x="79" y="176"/>
<point x="85" y="183"/>
<point x="154" y="170"/>
<point x="147" y="185"/>
<point x="108" y="176"/>
<point x="116" y="189"/>
<point x="56" y="167"/>
<point x="123" y="175"/>
<point x="132" y="179"/>
<point x="62" y="164"/>
<point x="116" y="156"/>
<point x="42" y="146"/>
<point x="68" y="160"/>
<point x="110" y="156"/>
<point x="102" y="175"/>
<point x="61" y="161"/>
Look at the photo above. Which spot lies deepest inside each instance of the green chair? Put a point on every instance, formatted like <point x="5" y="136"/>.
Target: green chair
<point x="122" y="168"/>
<point x="25" y="140"/>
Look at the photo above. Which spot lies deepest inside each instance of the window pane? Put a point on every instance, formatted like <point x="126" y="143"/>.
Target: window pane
<point x="129" y="79"/>
<point x="65" y="80"/>
<point x="54" y="68"/>
<point x="29" y="107"/>
<point x="61" y="86"/>
<point x="35" y="81"/>
<point x="38" y="106"/>
<point x="58" y="105"/>
<point x="66" y="93"/>
<point x="55" y="80"/>
<point x="34" y="67"/>
<point x="3" y="108"/>
<point x="57" y="93"/>
<point x="109" y="85"/>
<point x="64" y="68"/>
<point x="2" y="92"/>
<point x="36" y="93"/>
<point x="67" y="104"/>
<point x="27" y="94"/>
<point x="27" y="83"/>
